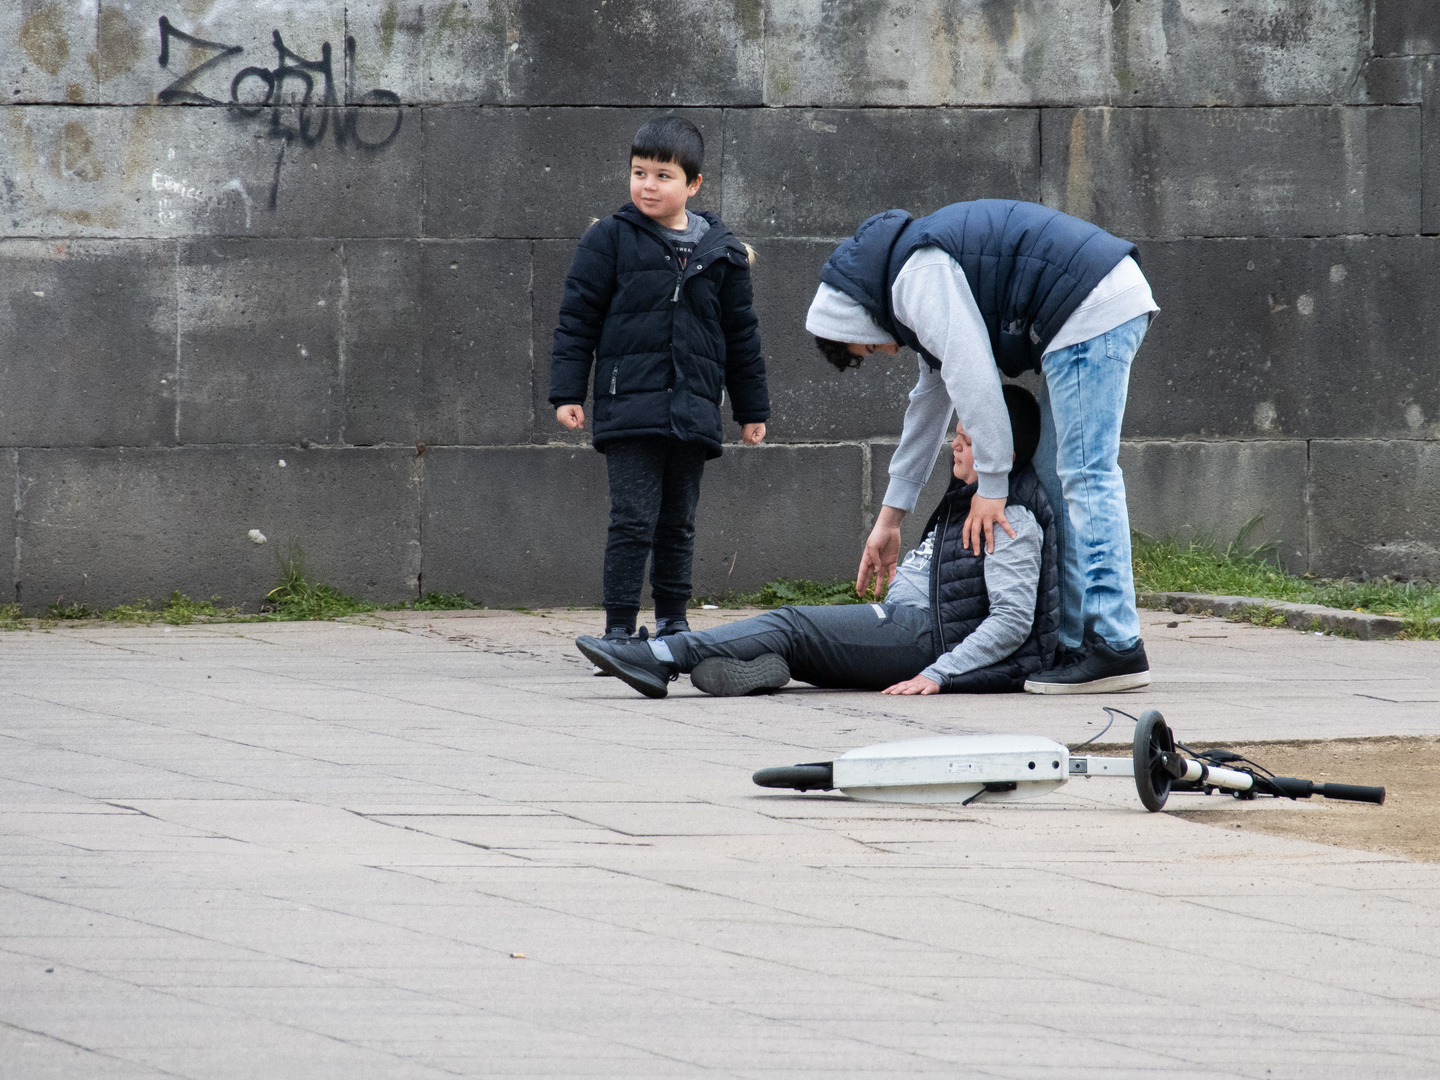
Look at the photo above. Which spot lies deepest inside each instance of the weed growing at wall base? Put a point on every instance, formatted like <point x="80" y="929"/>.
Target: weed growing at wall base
<point x="790" y="591"/>
<point x="1196" y="566"/>
<point x="298" y="598"/>
<point x="434" y="601"/>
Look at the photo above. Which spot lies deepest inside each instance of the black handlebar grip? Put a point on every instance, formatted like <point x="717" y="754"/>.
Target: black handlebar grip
<point x="800" y="777"/>
<point x="1289" y="787"/>
<point x="1352" y="792"/>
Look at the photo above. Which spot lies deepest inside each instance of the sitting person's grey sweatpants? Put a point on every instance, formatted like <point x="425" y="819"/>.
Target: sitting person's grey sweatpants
<point x="849" y="646"/>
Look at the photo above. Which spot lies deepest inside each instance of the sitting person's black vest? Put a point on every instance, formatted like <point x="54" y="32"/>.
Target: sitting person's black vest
<point x="958" y="599"/>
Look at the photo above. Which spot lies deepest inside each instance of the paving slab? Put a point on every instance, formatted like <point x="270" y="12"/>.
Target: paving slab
<point x="434" y="844"/>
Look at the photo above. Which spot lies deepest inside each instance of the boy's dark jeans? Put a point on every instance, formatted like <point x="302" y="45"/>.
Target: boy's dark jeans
<point x="847" y="646"/>
<point x="654" y="488"/>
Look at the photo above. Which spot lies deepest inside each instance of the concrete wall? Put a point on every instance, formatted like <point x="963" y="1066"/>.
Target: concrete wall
<point x="224" y="306"/>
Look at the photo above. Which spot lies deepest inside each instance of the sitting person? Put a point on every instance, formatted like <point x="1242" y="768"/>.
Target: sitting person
<point x="995" y="623"/>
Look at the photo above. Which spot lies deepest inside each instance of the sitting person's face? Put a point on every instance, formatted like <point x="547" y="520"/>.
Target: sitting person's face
<point x="964" y="455"/>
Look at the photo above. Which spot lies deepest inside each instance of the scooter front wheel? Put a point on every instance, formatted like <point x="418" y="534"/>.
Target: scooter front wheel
<point x="1153" y="740"/>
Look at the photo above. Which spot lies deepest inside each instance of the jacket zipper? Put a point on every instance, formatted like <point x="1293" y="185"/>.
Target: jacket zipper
<point x="679" y="280"/>
<point x="614" y="374"/>
<point x="941" y="528"/>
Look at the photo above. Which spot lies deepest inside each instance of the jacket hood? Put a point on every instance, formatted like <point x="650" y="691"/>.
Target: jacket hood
<point x="860" y="267"/>
<point x="718" y="236"/>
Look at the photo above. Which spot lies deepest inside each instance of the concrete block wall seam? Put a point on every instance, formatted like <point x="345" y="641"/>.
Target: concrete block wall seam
<point x="1430" y="146"/>
<point x="11" y="458"/>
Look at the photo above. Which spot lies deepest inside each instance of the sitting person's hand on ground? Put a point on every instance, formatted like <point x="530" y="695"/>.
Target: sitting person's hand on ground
<point x="918" y="685"/>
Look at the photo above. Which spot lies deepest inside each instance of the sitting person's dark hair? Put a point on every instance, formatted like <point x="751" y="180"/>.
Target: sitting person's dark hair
<point x="673" y="139"/>
<point x="838" y="353"/>
<point x="1024" y="421"/>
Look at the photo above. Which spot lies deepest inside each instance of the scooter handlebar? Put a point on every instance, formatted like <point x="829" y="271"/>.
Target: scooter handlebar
<point x="1353" y="792"/>
<point x="1292" y="788"/>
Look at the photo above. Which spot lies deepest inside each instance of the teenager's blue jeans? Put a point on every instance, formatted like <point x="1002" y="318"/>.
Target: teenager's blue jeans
<point x="1082" y="404"/>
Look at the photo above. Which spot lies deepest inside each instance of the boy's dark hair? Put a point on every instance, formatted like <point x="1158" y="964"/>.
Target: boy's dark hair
<point x="673" y="139"/>
<point x="1024" y="413"/>
<point x="838" y="353"/>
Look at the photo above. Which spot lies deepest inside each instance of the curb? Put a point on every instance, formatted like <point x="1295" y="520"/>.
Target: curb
<point x="1297" y="616"/>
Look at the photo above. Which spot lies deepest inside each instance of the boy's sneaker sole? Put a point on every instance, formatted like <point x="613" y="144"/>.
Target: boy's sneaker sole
<point x="1109" y="685"/>
<point x="722" y="676"/>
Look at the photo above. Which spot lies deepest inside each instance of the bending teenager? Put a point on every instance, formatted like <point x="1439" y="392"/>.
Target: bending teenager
<point x="991" y="287"/>
<point x="953" y="620"/>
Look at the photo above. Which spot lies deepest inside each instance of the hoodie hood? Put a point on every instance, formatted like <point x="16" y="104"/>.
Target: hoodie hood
<point x="838" y="317"/>
<point x="860" y="268"/>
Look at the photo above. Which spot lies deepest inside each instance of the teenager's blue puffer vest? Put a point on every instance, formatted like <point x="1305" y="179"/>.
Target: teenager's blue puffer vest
<point x="959" y="602"/>
<point x="1028" y="266"/>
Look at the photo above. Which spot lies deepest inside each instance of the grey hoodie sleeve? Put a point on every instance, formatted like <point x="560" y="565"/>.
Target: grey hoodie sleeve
<point x="932" y="297"/>
<point x="927" y="429"/>
<point x="1012" y="577"/>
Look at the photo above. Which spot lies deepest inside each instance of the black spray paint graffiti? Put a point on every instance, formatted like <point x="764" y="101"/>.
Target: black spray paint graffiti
<point x="254" y="90"/>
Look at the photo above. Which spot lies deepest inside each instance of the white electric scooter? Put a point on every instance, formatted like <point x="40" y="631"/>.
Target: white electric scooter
<point x="1008" y="768"/>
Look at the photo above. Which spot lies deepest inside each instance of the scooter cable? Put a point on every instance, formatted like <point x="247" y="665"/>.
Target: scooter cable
<point x="1109" y="712"/>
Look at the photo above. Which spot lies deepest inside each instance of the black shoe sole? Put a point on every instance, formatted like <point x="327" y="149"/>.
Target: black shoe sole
<point x="1109" y="685"/>
<point x="722" y="676"/>
<point x="637" y="678"/>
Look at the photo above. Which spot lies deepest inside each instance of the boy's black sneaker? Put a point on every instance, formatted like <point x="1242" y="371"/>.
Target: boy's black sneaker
<point x="723" y="676"/>
<point x="620" y="633"/>
<point x="666" y="627"/>
<point x="1099" y="670"/>
<point x="630" y="661"/>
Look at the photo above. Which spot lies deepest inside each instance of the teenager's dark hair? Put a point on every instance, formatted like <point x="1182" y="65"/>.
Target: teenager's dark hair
<point x="673" y="139"/>
<point x="838" y="353"/>
<point x="1024" y="413"/>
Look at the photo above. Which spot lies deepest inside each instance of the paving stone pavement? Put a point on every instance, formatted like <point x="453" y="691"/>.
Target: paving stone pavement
<point x="433" y="845"/>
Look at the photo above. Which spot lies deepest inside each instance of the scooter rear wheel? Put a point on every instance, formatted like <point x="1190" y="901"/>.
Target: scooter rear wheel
<point x="1153" y="739"/>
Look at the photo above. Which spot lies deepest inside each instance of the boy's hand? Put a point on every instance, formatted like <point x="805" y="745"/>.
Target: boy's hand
<point x="751" y="434"/>
<point x="985" y="514"/>
<point x="882" y="552"/>
<point x="572" y="416"/>
<point x="918" y="685"/>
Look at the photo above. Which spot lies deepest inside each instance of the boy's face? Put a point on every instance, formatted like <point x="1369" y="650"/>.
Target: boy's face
<point x="964" y="456"/>
<point x="659" y="189"/>
<point x="856" y="349"/>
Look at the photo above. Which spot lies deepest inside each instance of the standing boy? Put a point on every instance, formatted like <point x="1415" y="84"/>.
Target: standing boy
<point x="659" y="300"/>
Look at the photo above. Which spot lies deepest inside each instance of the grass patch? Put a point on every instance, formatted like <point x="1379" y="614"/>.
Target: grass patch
<point x="790" y="591"/>
<point x="435" y="601"/>
<point x="1241" y="569"/>
<point x="298" y="599"/>
<point x="60" y="611"/>
<point x="178" y="610"/>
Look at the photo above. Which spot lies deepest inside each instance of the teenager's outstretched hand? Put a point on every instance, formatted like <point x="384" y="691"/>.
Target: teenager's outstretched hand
<point x="882" y="553"/>
<point x="918" y="685"/>
<point x="985" y="514"/>
<point x="752" y="434"/>
<point x="572" y="416"/>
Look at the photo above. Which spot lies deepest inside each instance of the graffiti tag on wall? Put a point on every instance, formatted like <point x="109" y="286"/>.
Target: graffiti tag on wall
<point x="297" y="99"/>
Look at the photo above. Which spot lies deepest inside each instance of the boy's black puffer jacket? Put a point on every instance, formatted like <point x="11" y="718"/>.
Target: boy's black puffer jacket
<point x="665" y="344"/>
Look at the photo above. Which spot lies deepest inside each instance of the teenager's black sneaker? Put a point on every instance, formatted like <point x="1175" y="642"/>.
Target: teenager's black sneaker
<point x="666" y="627"/>
<point x="630" y="661"/>
<point x="1065" y="655"/>
<point x="723" y="676"/>
<point x="1099" y="670"/>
